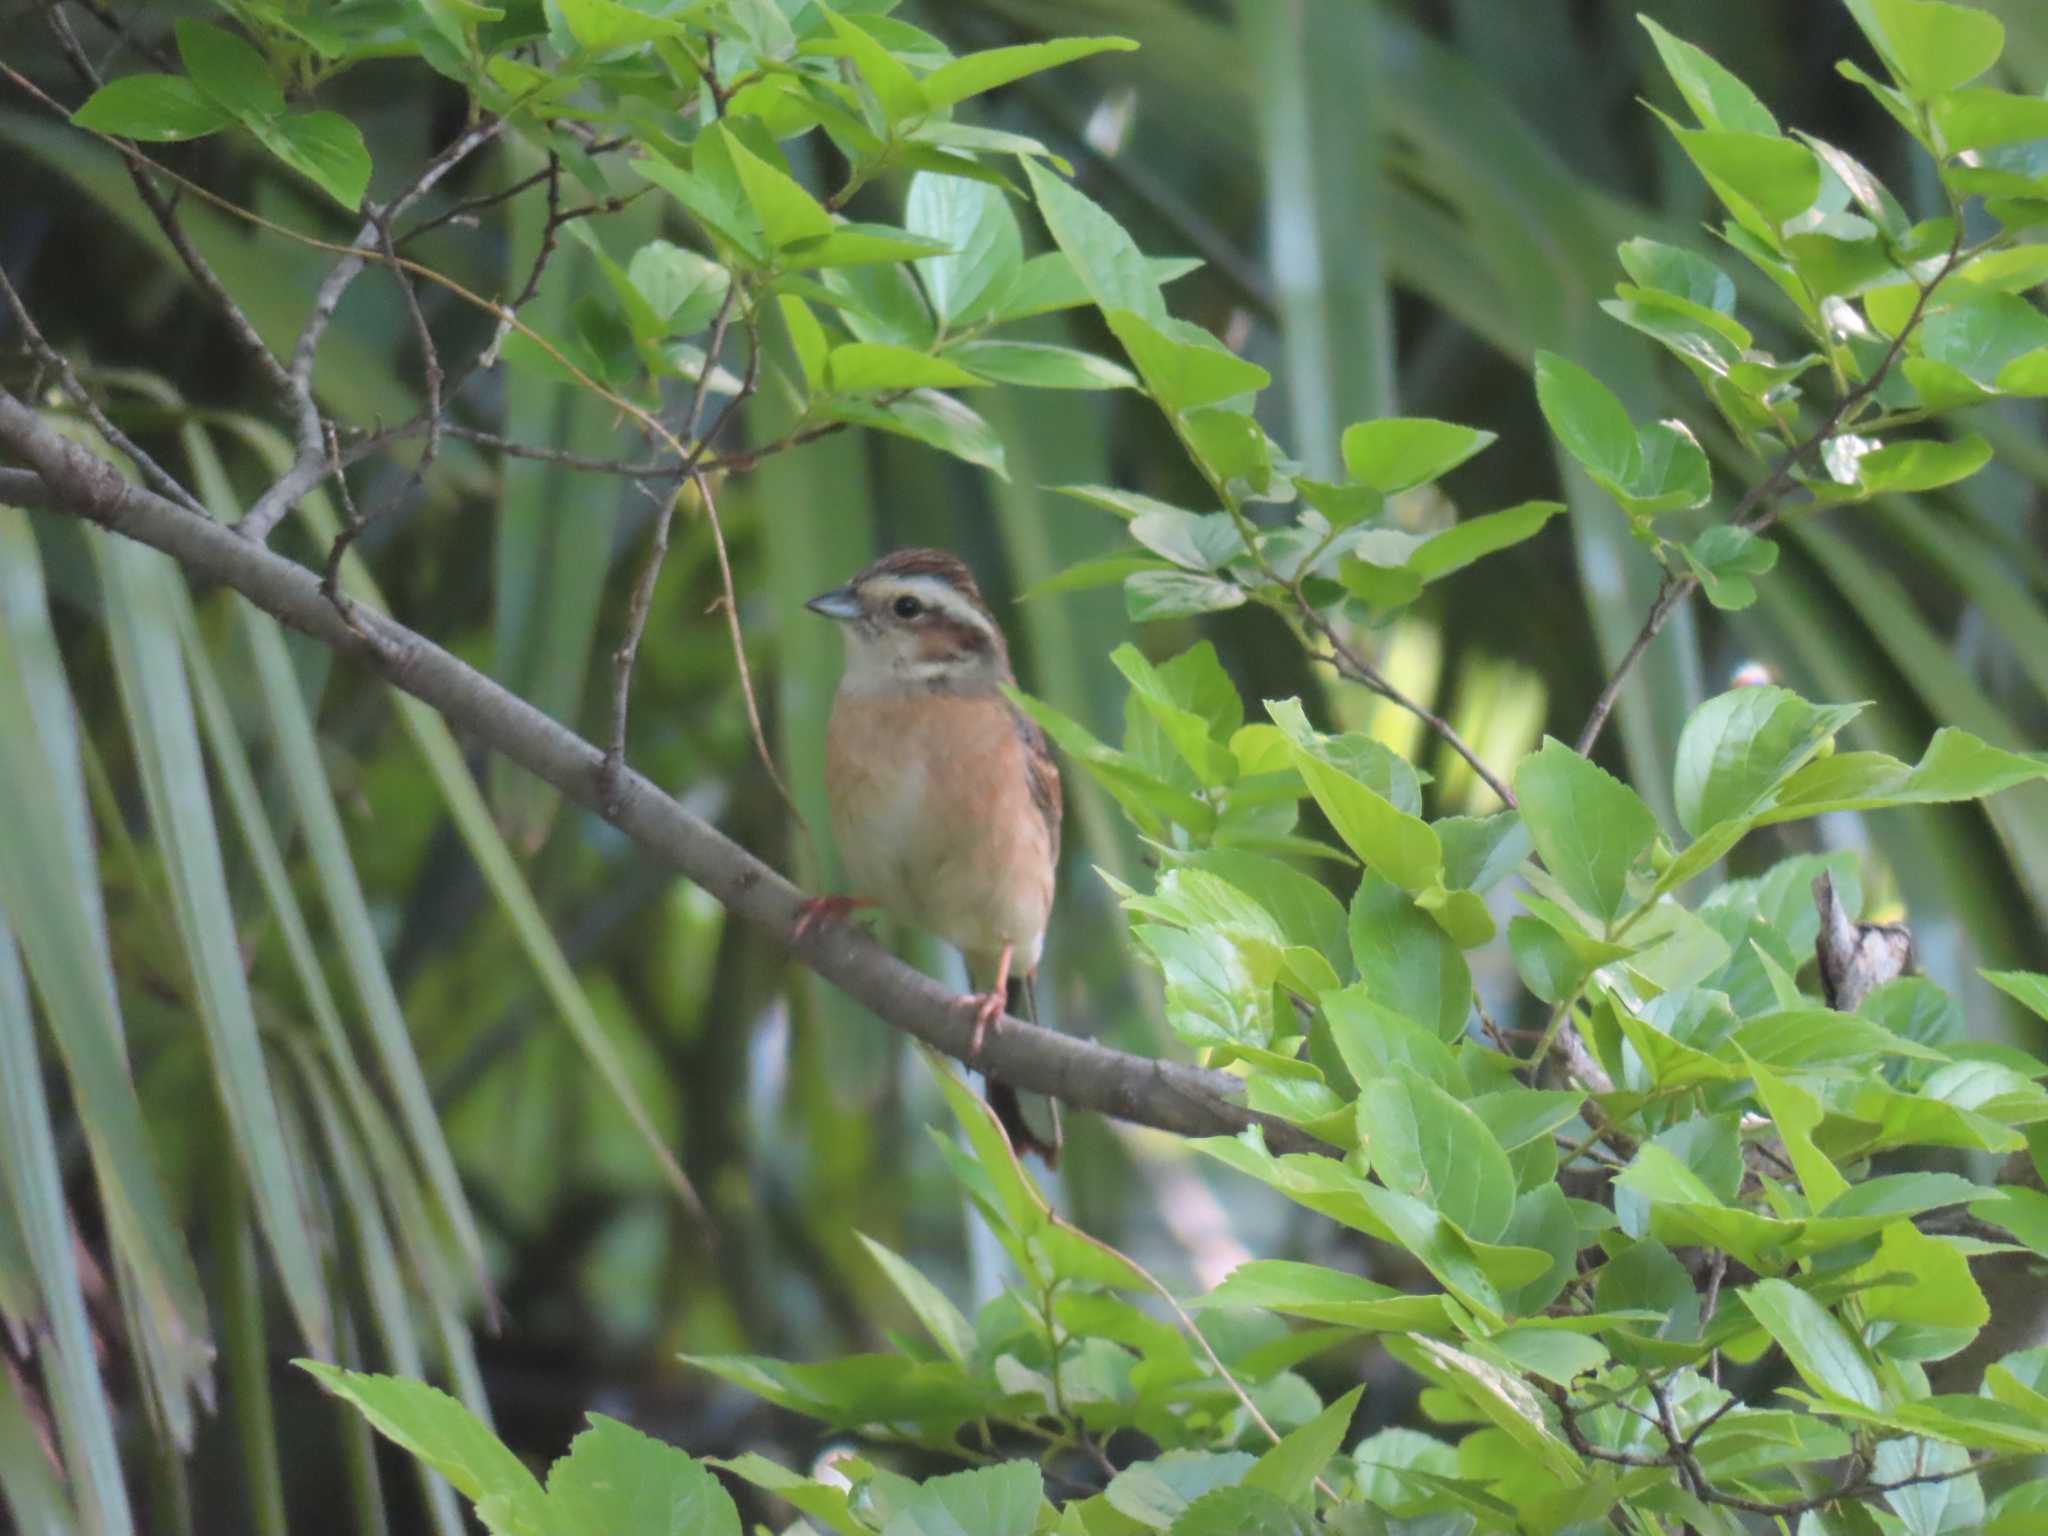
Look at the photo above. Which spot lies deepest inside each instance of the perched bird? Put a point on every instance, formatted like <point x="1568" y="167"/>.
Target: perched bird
<point x="945" y="799"/>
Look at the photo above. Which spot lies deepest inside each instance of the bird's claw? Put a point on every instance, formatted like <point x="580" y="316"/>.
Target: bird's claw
<point x="988" y="1008"/>
<point x="824" y="909"/>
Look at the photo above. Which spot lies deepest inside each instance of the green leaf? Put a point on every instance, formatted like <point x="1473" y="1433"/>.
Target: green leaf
<point x="1929" y="46"/>
<point x="1956" y="766"/>
<point x="974" y="73"/>
<point x="1156" y="1493"/>
<point x="614" y="1478"/>
<point x="1400" y="847"/>
<point x="896" y="89"/>
<point x="1406" y="961"/>
<point x="1051" y="282"/>
<point x="1500" y="1394"/>
<point x="876" y="367"/>
<point x="1425" y="1143"/>
<point x="437" y="1429"/>
<point x="1183" y="366"/>
<point x="1725" y="558"/>
<point x="1981" y="118"/>
<point x="1037" y="365"/>
<point x="1825" y="1354"/>
<point x="1717" y="98"/>
<point x="1324" y="1295"/>
<point x="2028" y="988"/>
<point x="988" y="1501"/>
<point x="1778" y="177"/>
<point x="1290" y="1469"/>
<point x="1114" y="272"/>
<point x="1586" y="418"/>
<point x="1399" y="453"/>
<point x="159" y="109"/>
<point x="986" y="251"/>
<point x="1155" y="595"/>
<point x="807" y="339"/>
<point x="1589" y="828"/>
<point x="1924" y="464"/>
<point x="1476" y="537"/>
<point x="325" y="148"/>
<point x="1676" y="271"/>
<point x="788" y="213"/>
<point x="602" y="25"/>
<point x="931" y="418"/>
<point x="228" y="70"/>
<point x="1243" y="1511"/>
<point x="1740" y="746"/>
<point x="942" y="1320"/>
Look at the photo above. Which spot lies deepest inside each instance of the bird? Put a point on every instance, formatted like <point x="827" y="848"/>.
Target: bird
<point x="945" y="798"/>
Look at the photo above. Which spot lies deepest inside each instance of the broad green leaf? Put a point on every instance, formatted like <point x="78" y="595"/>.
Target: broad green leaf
<point x="1476" y="537"/>
<point x="1290" y="1469"/>
<point x="2028" y="988"/>
<point x="1156" y="1493"/>
<point x="1114" y="272"/>
<point x="1245" y="1511"/>
<point x="807" y="339"/>
<point x="974" y="73"/>
<point x="437" y="1429"/>
<point x="1825" y="1354"/>
<point x="1326" y="1295"/>
<point x="1399" y="453"/>
<point x="1156" y="595"/>
<point x="157" y="109"/>
<point x="1375" y="1041"/>
<point x="1683" y="274"/>
<point x="939" y="421"/>
<point x="1036" y="365"/>
<point x="1586" y="417"/>
<point x="1406" y="961"/>
<point x="1980" y="118"/>
<point x="1051" y="282"/>
<point x="1400" y="847"/>
<point x="1955" y="766"/>
<point x="1930" y="46"/>
<point x="1718" y="99"/>
<point x="1740" y="746"/>
<point x="1183" y="366"/>
<point x="614" y="1478"/>
<point x="987" y="251"/>
<point x="1925" y="464"/>
<point x="1589" y="828"/>
<point x="602" y="25"/>
<point x="1509" y="1402"/>
<point x="822" y="1502"/>
<point x="1778" y="177"/>
<point x="1425" y="1143"/>
<point x="987" y="1501"/>
<point x="324" y="147"/>
<point x="1725" y="558"/>
<point x="788" y="213"/>
<point x="227" y="69"/>
<point x="876" y="367"/>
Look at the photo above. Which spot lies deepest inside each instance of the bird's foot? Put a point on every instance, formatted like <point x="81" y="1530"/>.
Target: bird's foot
<point x="988" y="1012"/>
<point x="824" y="909"/>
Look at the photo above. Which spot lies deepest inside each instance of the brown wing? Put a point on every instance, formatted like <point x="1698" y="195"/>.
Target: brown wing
<point x="1044" y="775"/>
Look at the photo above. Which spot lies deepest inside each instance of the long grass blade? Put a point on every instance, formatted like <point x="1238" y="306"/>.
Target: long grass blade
<point x="49" y="888"/>
<point x="146" y="603"/>
<point x="35" y="1190"/>
<point x="30" y="1490"/>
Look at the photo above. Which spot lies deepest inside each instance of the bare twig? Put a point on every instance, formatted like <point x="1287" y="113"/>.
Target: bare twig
<point x="1758" y="509"/>
<point x="88" y="407"/>
<point x="1351" y="665"/>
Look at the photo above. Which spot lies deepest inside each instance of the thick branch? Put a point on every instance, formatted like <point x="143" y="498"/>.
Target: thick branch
<point x="1171" y="1096"/>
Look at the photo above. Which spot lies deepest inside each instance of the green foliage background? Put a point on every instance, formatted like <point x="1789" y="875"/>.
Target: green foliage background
<point x="1398" y="205"/>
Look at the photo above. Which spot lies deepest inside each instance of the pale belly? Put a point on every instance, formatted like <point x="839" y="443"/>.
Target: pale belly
<point x="932" y="813"/>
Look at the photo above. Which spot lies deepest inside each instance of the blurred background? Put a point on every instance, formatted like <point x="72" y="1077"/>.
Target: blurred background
<point x="1396" y="203"/>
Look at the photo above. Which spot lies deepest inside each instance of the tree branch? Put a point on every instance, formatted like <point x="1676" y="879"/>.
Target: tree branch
<point x="1169" y="1096"/>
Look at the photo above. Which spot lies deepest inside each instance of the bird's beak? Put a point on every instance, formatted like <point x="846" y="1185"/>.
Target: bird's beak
<point x="839" y="603"/>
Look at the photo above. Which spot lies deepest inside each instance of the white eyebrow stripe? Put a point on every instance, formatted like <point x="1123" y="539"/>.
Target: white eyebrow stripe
<point x="940" y="595"/>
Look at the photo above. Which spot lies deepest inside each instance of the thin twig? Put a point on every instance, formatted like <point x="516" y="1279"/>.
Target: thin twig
<point x="642" y="599"/>
<point x="1349" y="664"/>
<point x="1757" y="510"/>
<point x="60" y="365"/>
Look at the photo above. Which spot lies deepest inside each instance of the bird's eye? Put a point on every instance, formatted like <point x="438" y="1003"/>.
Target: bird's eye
<point x="908" y="607"/>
